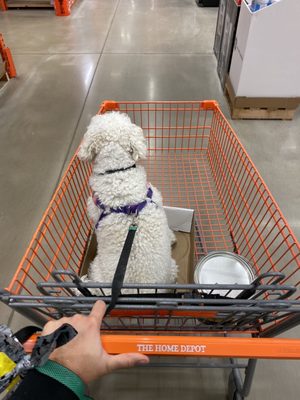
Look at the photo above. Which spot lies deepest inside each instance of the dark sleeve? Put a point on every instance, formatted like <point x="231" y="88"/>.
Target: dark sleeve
<point x="37" y="386"/>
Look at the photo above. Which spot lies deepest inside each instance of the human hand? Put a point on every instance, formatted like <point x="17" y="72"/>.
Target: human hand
<point x="84" y="355"/>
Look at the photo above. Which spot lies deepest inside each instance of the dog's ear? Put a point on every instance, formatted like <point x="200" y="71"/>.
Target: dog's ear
<point x="89" y="145"/>
<point x="86" y="150"/>
<point x="138" y="143"/>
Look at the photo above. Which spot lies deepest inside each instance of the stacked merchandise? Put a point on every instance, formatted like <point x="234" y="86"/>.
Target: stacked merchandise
<point x="225" y="34"/>
<point x="256" y="5"/>
<point x="264" y="73"/>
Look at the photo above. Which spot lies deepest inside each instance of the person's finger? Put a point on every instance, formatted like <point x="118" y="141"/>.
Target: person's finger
<point x="126" y="360"/>
<point x="98" y="311"/>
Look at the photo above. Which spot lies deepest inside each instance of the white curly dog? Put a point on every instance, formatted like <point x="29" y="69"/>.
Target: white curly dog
<point x="120" y="192"/>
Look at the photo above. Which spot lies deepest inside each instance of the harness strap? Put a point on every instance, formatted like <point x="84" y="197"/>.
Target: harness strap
<point x="119" y="275"/>
<point x="133" y="209"/>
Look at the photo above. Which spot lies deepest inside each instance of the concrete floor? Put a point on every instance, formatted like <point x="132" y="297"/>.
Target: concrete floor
<point x="122" y="50"/>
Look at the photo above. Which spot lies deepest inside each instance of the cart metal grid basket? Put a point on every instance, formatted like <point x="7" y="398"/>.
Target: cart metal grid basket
<point x="197" y="161"/>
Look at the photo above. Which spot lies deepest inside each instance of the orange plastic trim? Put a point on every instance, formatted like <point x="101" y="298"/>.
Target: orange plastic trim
<point x="63" y="7"/>
<point x="10" y="66"/>
<point x="108" y="105"/>
<point x="3" y="5"/>
<point x="198" y="346"/>
<point x="209" y="105"/>
<point x="2" y="46"/>
<point x="7" y="58"/>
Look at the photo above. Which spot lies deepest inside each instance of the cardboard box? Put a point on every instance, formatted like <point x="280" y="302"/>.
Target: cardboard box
<point x="243" y="107"/>
<point x="266" y="55"/>
<point x="181" y="221"/>
<point x="289" y="103"/>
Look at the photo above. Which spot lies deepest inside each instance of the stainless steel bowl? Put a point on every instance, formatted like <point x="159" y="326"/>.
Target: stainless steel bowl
<point x="226" y="268"/>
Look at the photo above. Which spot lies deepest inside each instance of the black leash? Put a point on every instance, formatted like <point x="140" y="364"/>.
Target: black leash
<point x="118" y="280"/>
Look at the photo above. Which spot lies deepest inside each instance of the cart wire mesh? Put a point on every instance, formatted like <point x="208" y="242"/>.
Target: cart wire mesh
<point x="197" y="161"/>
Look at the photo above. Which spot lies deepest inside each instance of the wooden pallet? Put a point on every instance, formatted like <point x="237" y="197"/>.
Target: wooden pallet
<point x="260" y="108"/>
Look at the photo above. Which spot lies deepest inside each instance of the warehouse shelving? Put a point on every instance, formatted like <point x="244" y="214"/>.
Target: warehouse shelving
<point x="62" y="7"/>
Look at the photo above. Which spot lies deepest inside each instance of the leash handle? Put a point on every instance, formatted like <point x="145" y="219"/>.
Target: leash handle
<point x="119" y="276"/>
<point x="46" y="344"/>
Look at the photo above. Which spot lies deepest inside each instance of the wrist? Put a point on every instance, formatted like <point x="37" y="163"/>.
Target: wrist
<point x="66" y="376"/>
<point x="70" y="365"/>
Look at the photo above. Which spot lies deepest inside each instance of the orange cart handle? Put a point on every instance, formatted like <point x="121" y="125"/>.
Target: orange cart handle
<point x="197" y="346"/>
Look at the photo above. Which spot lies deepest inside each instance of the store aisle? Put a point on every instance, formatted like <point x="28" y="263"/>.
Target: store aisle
<point x="122" y="50"/>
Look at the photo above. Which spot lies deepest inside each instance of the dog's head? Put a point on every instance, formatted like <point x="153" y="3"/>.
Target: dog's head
<point x="112" y="131"/>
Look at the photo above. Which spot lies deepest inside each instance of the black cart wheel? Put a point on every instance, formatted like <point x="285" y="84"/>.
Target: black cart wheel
<point x="233" y="394"/>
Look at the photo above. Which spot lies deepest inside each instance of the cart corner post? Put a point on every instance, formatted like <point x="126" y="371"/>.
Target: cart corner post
<point x="209" y="105"/>
<point x="62" y="8"/>
<point x="30" y="313"/>
<point x="108" y="105"/>
<point x="3" y="5"/>
<point x="5" y="53"/>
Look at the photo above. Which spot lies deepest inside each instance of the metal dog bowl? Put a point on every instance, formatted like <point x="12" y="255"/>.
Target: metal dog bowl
<point x="225" y="268"/>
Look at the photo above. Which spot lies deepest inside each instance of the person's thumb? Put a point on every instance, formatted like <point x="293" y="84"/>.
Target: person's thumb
<point x="126" y="360"/>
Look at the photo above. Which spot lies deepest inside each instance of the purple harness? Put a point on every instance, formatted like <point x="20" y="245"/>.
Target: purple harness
<point x="133" y="209"/>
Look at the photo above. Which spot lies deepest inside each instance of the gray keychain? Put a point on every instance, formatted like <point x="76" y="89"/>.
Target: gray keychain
<point x="12" y="347"/>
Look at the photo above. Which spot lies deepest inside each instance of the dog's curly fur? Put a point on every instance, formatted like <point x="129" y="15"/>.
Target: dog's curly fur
<point x="113" y="142"/>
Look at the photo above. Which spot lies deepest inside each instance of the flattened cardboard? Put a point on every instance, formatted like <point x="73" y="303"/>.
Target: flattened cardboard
<point x="179" y="219"/>
<point x="89" y="255"/>
<point x="183" y="254"/>
<point x="182" y="251"/>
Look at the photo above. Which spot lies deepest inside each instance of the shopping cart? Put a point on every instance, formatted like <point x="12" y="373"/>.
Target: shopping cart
<point x="197" y="161"/>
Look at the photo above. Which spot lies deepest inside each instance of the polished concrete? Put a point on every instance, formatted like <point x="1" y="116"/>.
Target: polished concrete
<point x="122" y="50"/>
